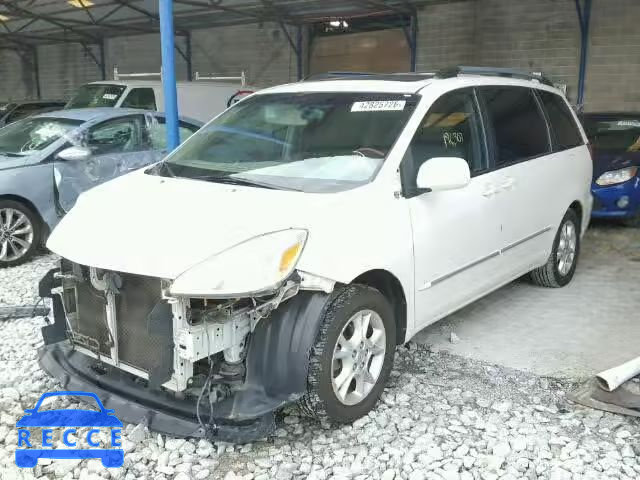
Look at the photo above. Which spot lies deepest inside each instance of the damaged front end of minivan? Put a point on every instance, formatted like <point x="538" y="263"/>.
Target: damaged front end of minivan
<point x="187" y="356"/>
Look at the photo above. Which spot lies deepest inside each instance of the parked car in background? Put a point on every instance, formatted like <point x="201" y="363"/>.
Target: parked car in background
<point x="283" y="251"/>
<point x="47" y="160"/>
<point x="615" y="143"/>
<point x="13" y="111"/>
<point x="200" y="100"/>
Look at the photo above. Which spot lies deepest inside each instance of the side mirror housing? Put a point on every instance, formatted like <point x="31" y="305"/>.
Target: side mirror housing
<point x="74" y="154"/>
<point x="443" y="173"/>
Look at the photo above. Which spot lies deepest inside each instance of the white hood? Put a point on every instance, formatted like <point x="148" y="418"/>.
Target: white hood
<point x="160" y="227"/>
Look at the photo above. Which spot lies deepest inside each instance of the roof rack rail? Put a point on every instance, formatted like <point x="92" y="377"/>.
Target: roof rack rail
<point x="332" y="75"/>
<point x="494" y="71"/>
<point x="398" y="76"/>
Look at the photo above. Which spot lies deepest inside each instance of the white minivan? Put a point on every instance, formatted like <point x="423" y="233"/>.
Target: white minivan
<point x="282" y="252"/>
<point x="197" y="100"/>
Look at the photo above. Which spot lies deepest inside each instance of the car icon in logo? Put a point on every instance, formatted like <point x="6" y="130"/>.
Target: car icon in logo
<point x="68" y="419"/>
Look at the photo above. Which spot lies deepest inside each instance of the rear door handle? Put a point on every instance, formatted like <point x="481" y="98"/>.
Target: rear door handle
<point x="489" y="191"/>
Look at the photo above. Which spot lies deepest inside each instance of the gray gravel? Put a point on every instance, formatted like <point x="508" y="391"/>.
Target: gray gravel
<point x="19" y="285"/>
<point x="442" y="417"/>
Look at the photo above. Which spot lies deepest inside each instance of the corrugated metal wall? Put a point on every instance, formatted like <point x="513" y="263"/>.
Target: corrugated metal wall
<point x="532" y="34"/>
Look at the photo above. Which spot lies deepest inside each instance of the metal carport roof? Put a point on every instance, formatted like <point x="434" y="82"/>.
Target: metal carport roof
<point x="35" y="22"/>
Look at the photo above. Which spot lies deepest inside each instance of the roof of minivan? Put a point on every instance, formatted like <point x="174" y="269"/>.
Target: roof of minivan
<point x="408" y="86"/>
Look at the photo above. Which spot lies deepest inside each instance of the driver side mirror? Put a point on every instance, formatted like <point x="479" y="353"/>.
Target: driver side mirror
<point x="74" y="154"/>
<point x="443" y="173"/>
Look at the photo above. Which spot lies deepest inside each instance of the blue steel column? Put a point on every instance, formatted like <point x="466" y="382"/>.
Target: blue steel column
<point x="169" y="73"/>
<point x="584" y="16"/>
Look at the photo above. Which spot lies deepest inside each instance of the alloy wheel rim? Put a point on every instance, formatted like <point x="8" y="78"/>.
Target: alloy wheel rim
<point x="566" y="253"/>
<point x="358" y="357"/>
<point x="16" y="234"/>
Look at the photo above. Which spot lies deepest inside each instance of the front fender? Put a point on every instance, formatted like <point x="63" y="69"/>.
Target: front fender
<point x="278" y="355"/>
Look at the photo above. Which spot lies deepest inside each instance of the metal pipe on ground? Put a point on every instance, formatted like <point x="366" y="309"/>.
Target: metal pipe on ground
<point x="611" y="379"/>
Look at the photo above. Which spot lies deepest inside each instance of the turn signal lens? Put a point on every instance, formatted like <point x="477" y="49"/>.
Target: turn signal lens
<point x="289" y="256"/>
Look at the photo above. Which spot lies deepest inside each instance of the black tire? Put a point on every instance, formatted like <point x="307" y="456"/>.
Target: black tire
<point x="320" y="401"/>
<point x="632" y="222"/>
<point x="36" y="226"/>
<point x="549" y="274"/>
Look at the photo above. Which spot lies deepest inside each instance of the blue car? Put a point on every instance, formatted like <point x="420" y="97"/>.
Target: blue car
<point x="615" y="141"/>
<point x="69" y="419"/>
<point x="47" y="160"/>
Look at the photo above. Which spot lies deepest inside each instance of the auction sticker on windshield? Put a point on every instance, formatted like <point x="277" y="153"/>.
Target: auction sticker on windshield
<point x="84" y="433"/>
<point x="378" y="106"/>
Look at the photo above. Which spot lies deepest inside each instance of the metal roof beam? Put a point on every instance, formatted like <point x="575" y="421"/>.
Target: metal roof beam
<point x="52" y="20"/>
<point x="216" y="5"/>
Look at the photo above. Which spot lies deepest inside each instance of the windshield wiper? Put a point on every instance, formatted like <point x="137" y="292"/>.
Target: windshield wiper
<point x="242" y="182"/>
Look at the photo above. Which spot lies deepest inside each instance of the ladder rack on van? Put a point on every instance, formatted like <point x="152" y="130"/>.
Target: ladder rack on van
<point x="242" y="78"/>
<point x="119" y="76"/>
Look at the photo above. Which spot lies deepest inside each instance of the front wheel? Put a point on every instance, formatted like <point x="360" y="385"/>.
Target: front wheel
<point x="561" y="265"/>
<point x="19" y="233"/>
<point x="352" y="358"/>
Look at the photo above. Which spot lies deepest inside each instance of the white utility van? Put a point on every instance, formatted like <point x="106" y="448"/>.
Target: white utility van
<point x="201" y="100"/>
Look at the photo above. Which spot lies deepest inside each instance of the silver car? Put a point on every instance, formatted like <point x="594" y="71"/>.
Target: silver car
<point x="47" y="160"/>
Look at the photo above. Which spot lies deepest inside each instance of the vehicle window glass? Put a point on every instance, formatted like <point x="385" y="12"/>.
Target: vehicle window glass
<point x="564" y="131"/>
<point x="96" y="95"/>
<point x="30" y="135"/>
<point x="519" y="129"/>
<point x="613" y="133"/>
<point x="311" y="141"/>
<point x="115" y="136"/>
<point x="23" y="111"/>
<point x="451" y="128"/>
<point x="140" y="98"/>
<point x="157" y="132"/>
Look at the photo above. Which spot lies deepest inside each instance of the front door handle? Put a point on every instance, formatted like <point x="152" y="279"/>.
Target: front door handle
<point x="507" y="184"/>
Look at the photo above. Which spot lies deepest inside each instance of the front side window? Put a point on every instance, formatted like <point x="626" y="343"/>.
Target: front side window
<point x="32" y="135"/>
<point x="312" y="141"/>
<point x="115" y="136"/>
<point x="564" y="130"/>
<point x="451" y="128"/>
<point x="97" y="95"/>
<point x="519" y="129"/>
<point x="142" y="98"/>
<point x="613" y="133"/>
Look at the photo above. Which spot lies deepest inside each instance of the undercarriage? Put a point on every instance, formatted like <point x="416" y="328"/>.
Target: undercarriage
<point x="214" y="368"/>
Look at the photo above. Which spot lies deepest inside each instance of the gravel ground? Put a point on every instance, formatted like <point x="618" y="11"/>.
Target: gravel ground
<point x="19" y="285"/>
<point x="442" y="417"/>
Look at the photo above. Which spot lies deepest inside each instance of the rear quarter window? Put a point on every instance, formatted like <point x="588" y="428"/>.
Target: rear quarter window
<point x="564" y="131"/>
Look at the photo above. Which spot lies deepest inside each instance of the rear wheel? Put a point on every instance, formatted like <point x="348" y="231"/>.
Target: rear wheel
<point x="19" y="233"/>
<point x="352" y="358"/>
<point x="561" y="265"/>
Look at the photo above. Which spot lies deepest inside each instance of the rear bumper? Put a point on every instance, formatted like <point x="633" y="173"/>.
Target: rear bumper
<point x="135" y="403"/>
<point x="606" y="199"/>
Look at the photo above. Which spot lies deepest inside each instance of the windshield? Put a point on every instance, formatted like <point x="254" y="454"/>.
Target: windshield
<point x="614" y="134"/>
<point x="31" y="135"/>
<point x="95" y="95"/>
<point x="315" y="142"/>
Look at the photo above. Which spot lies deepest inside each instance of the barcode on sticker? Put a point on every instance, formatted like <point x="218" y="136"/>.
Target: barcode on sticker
<point x="378" y="106"/>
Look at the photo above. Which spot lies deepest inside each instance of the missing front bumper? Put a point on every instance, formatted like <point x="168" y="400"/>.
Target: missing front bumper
<point x="159" y="411"/>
